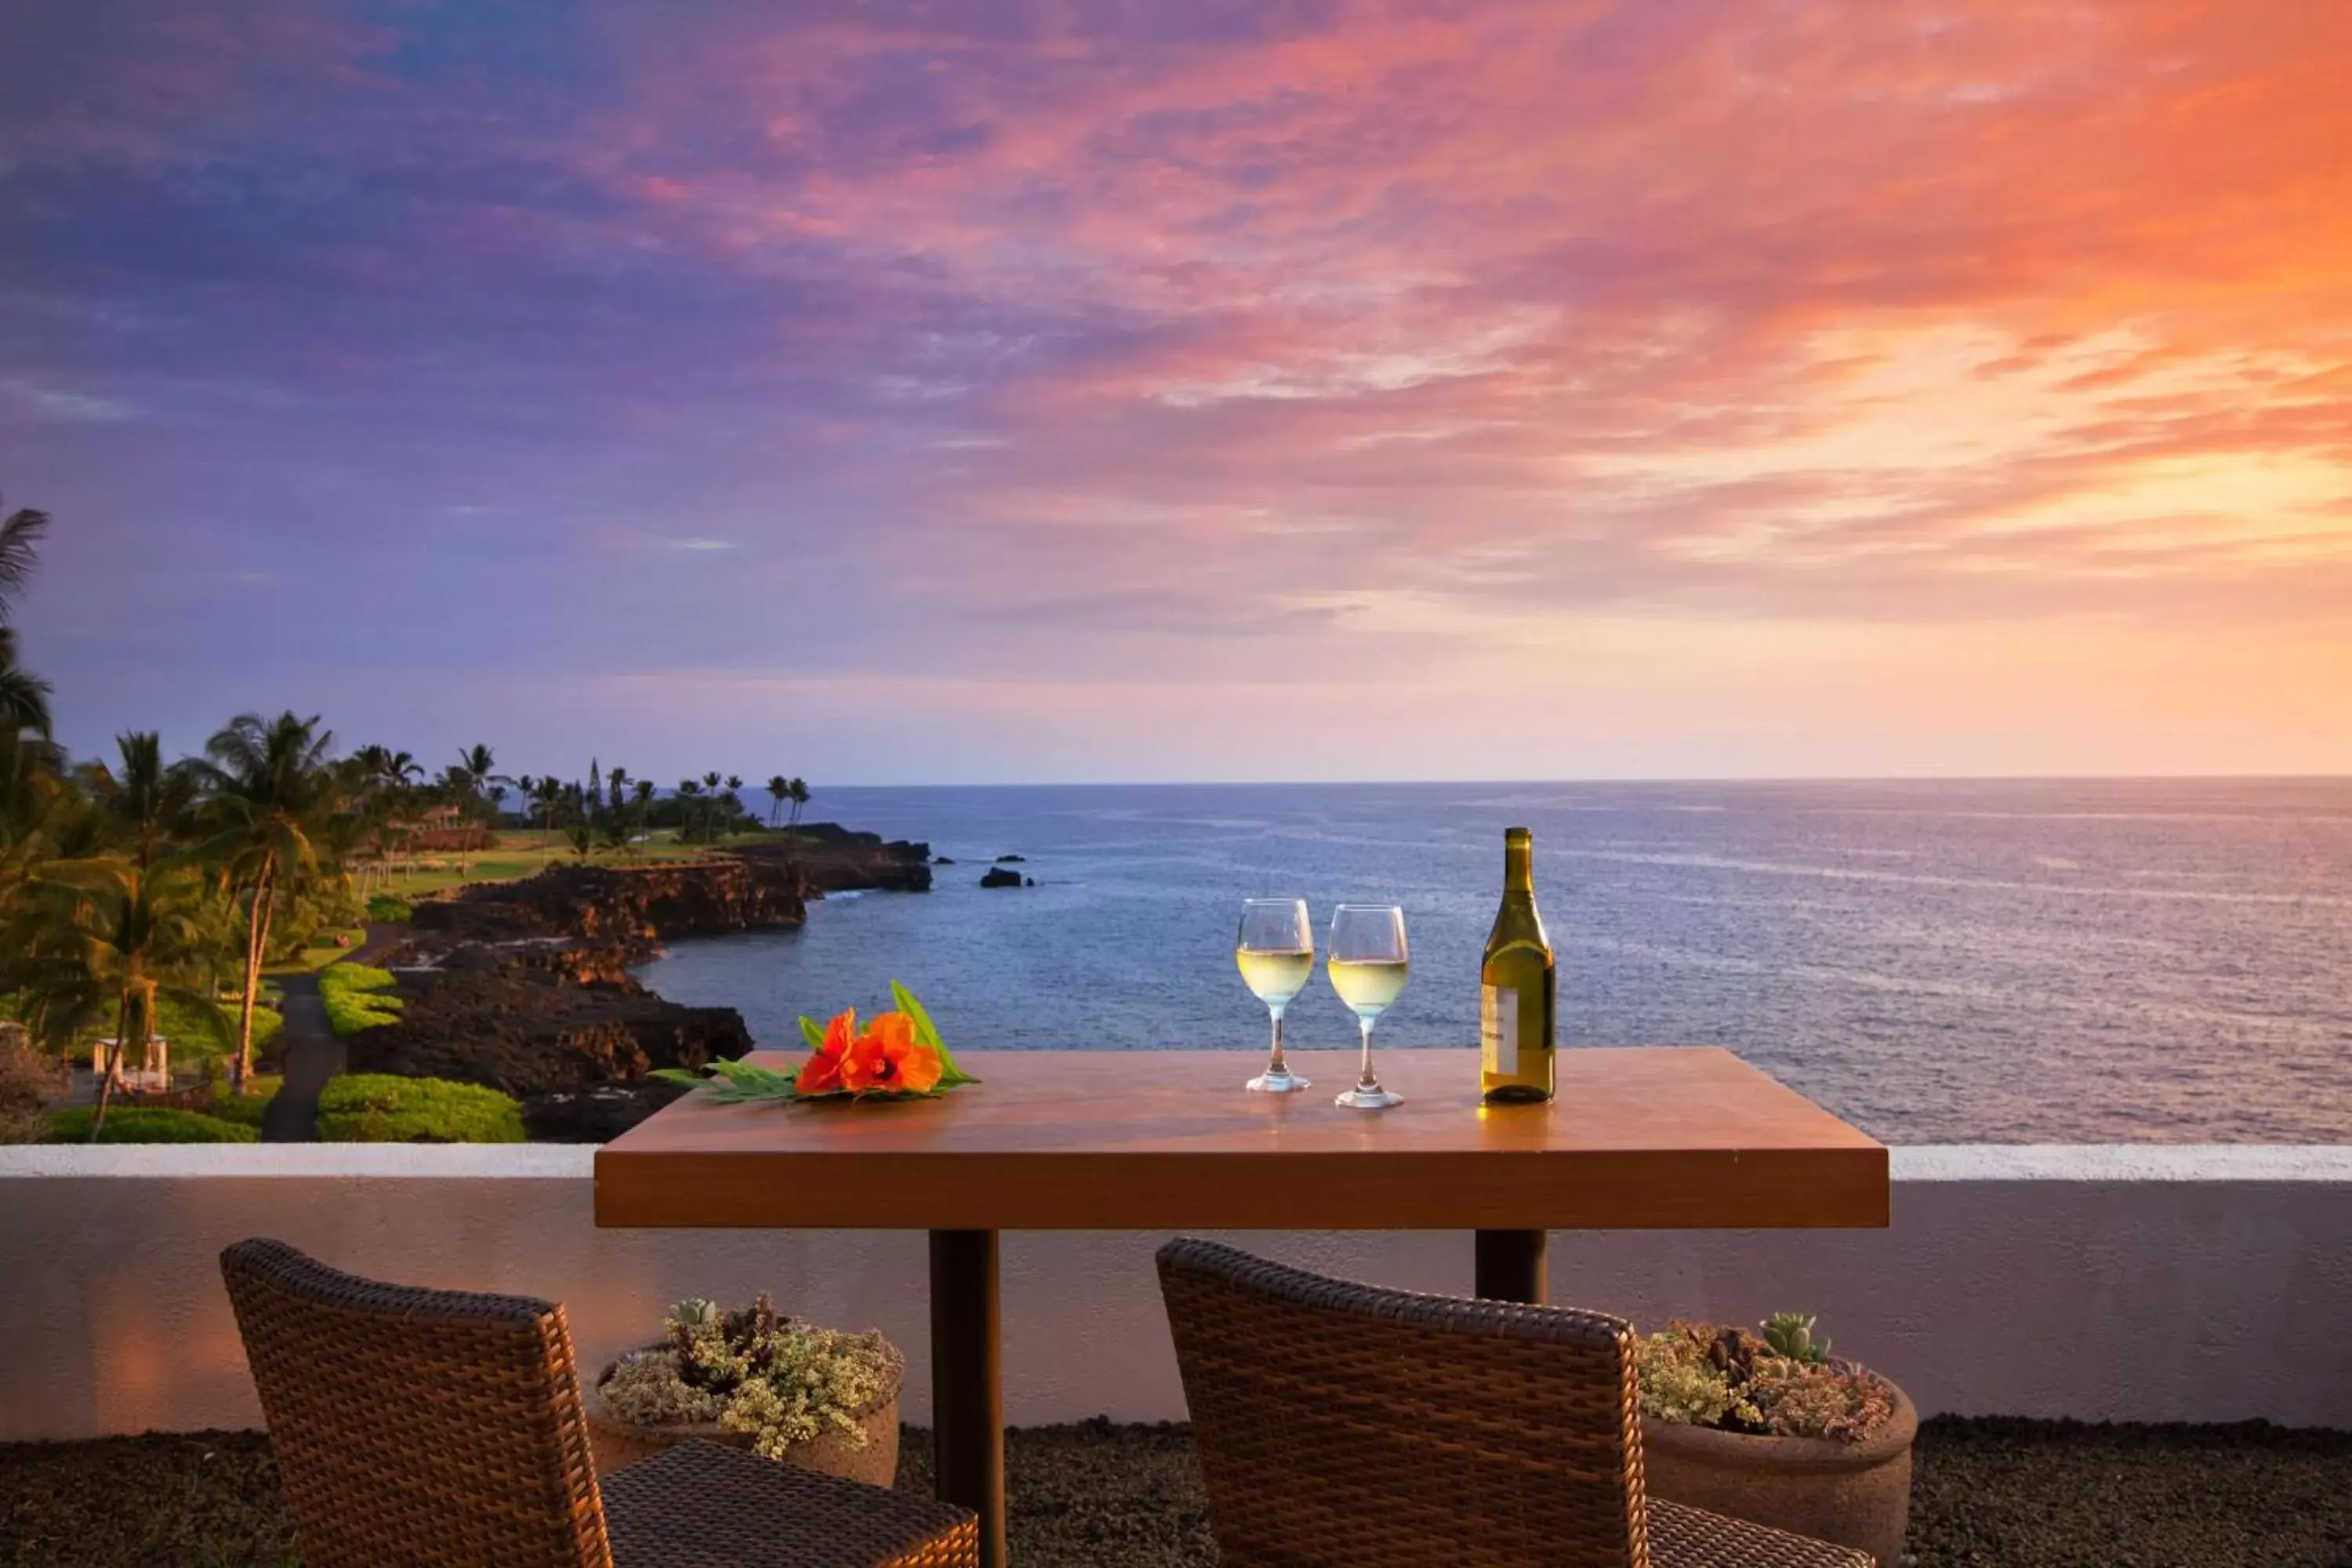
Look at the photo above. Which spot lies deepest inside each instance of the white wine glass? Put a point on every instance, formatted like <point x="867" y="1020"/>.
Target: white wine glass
<point x="1368" y="965"/>
<point x="1276" y="951"/>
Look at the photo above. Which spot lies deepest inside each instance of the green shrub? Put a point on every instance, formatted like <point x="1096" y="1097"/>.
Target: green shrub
<point x="390" y="907"/>
<point x="385" y="1108"/>
<point x="356" y="997"/>
<point x="245" y="1110"/>
<point x="145" y="1124"/>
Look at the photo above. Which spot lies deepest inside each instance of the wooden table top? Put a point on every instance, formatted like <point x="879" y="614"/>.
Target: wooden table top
<point x="1652" y="1138"/>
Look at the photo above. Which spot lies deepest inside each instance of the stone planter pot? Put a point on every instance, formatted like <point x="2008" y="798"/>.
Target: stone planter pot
<point x="617" y="1443"/>
<point x="1854" y="1494"/>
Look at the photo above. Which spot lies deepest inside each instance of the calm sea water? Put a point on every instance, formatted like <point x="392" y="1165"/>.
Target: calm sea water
<point x="2014" y="962"/>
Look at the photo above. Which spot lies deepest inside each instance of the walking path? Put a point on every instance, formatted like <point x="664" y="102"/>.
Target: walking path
<point x="312" y="1050"/>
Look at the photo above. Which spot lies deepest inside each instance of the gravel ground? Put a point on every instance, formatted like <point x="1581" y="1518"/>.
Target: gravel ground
<point x="1988" y="1494"/>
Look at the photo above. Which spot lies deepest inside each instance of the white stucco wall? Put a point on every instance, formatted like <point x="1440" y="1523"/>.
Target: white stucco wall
<point x="2206" y="1284"/>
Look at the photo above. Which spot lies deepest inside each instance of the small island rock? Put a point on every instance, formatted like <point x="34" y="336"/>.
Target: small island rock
<point x="997" y="876"/>
<point x="1010" y="859"/>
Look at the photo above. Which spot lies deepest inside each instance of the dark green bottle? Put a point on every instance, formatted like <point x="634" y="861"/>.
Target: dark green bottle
<point x="1516" y="996"/>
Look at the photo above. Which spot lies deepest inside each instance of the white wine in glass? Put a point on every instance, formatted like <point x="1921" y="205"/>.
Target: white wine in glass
<point x="1275" y="949"/>
<point x="1369" y="966"/>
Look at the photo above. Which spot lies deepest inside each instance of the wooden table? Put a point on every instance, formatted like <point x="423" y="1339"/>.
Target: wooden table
<point x="1645" y="1139"/>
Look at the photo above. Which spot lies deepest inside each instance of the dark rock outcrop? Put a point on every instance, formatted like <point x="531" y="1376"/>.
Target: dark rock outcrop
<point x="537" y="1020"/>
<point x="1011" y="859"/>
<point x="831" y="859"/>
<point x="998" y="877"/>
<point x="632" y="909"/>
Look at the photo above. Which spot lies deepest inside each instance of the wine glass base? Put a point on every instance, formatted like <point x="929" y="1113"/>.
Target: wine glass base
<point x="1273" y="1082"/>
<point x="1373" y="1098"/>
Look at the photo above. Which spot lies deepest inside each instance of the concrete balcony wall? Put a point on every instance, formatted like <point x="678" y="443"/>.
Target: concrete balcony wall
<point x="2147" y="1284"/>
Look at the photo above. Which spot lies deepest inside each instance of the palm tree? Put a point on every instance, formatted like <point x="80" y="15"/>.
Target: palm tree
<point x="616" y="782"/>
<point x="36" y="809"/>
<point x="643" y="789"/>
<point x="614" y="829"/>
<point x="20" y="538"/>
<point x="23" y="696"/>
<point x="799" y="791"/>
<point x="109" y="939"/>
<point x="688" y="791"/>
<point x="780" y="790"/>
<point x="268" y="789"/>
<point x="146" y="805"/>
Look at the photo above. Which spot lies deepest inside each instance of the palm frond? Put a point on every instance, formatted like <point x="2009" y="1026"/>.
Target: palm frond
<point x="20" y="540"/>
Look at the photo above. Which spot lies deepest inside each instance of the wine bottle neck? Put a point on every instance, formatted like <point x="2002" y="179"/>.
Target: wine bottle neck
<point x="1518" y="866"/>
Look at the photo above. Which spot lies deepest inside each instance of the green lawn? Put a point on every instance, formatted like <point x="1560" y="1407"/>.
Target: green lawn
<point x="519" y="853"/>
<point x="311" y="960"/>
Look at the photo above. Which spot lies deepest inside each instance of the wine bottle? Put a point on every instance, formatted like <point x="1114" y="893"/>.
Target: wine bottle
<point x="1516" y="991"/>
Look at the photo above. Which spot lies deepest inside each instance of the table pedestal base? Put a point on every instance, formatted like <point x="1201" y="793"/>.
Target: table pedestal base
<point x="967" y="1382"/>
<point x="1509" y="1267"/>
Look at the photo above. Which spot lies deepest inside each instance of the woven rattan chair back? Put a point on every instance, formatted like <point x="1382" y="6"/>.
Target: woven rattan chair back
<point x="417" y="1426"/>
<point x="1340" y="1424"/>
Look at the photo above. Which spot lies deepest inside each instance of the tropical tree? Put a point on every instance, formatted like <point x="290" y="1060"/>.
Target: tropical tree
<point x="37" y="810"/>
<point x="268" y="789"/>
<point x="780" y="790"/>
<point x="107" y="940"/>
<point x="23" y="696"/>
<point x="581" y="836"/>
<point x="689" y="797"/>
<point x="386" y="769"/>
<point x="147" y="806"/>
<point x="614" y="829"/>
<point x="616" y="782"/>
<point x="476" y="772"/>
<point x="643" y="789"/>
<point x="799" y="791"/>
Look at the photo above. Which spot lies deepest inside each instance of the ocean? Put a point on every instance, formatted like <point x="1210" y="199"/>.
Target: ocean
<point x="2071" y="960"/>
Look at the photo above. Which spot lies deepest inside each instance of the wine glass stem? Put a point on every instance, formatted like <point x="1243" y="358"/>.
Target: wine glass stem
<point x="1367" y="1081"/>
<point x="1276" y="1064"/>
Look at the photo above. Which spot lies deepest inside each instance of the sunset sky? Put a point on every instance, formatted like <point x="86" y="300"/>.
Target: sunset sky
<point x="1173" y="389"/>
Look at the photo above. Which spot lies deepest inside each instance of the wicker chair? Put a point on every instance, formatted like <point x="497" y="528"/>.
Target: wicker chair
<point x="1349" y="1425"/>
<point x="443" y="1427"/>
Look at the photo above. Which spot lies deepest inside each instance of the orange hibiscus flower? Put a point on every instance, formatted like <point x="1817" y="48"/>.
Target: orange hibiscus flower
<point x="888" y="1057"/>
<point x="822" y="1074"/>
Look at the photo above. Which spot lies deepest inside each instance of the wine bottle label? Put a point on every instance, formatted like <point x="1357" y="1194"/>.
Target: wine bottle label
<point x="1498" y="1028"/>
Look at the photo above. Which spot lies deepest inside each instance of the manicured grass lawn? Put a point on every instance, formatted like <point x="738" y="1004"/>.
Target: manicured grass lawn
<point x="523" y="852"/>
<point x="311" y="960"/>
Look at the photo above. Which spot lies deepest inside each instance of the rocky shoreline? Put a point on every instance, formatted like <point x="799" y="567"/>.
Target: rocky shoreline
<point x="525" y="986"/>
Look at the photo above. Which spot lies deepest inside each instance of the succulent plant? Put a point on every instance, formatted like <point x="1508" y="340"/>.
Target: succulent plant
<point x="755" y="1371"/>
<point x="1791" y="1334"/>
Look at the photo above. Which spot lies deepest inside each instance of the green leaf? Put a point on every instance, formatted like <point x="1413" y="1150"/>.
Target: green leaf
<point x="744" y="1075"/>
<point x="813" y="1032"/>
<point x="927" y="1033"/>
<point x="677" y="1076"/>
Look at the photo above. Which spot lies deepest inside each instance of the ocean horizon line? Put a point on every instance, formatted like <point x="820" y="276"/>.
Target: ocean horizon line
<point x="1711" y="779"/>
